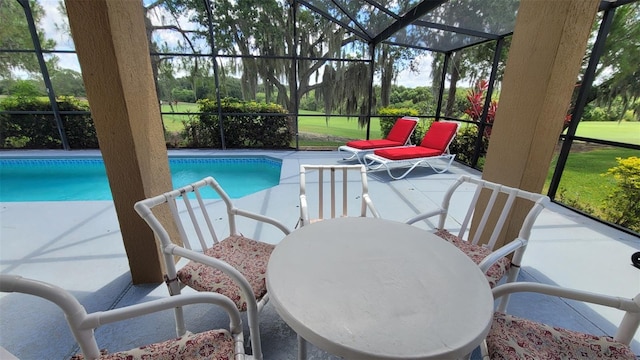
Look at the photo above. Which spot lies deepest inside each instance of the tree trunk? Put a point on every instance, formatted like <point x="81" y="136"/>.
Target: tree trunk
<point x="386" y="78"/>
<point x="453" y="84"/>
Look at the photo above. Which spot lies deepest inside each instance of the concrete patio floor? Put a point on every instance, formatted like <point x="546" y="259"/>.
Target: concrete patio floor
<point x="78" y="246"/>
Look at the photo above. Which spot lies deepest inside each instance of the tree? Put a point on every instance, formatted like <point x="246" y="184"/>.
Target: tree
<point x="251" y="27"/>
<point x="67" y="82"/>
<point x="26" y="88"/>
<point x="15" y="35"/>
<point x="465" y="63"/>
<point x="620" y="59"/>
<point x="390" y="61"/>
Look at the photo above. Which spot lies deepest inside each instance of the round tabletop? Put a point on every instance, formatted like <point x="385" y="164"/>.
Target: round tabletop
<point x="366" y="288"/>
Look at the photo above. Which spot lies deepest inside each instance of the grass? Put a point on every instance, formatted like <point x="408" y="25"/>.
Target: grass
<point x="337" y="126"/>
<point x="314" y="122"/>
<point x="625" y="132"/>
<point x="173" y="122"/>
<point x="312" y="125"/>
<point x="582" y="182"/>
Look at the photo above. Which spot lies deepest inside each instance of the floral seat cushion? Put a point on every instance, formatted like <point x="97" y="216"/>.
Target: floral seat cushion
<point x="512" y="337"/>
<point x="248" y="256"/>
<point x="477" y="254"/>
<point x="213" y="344"/>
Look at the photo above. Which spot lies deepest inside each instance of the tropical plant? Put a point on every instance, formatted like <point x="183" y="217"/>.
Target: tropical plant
<point x="477" y="98"/>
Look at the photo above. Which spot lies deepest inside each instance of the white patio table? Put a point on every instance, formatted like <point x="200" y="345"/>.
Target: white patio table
<point x="365" y="288"/>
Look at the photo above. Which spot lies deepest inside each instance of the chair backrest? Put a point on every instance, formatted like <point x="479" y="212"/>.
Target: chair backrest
<point x="501" y="204"/>
<point x="440" y="135"/>
<point x="402" y="129"/>
<point x="198" y="224"/>
<point x="348" y="182"/>
<point x="82" y="324"/>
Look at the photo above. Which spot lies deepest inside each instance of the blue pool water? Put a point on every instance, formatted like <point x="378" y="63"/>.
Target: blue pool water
<point x="85" y="179"/>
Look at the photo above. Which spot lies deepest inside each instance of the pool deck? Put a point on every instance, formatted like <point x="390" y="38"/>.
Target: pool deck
<point x="78" y="246"/>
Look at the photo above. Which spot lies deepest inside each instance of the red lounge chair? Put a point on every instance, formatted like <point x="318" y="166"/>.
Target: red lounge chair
<point x="434" y="146"/>
<point x="400" y="135"/>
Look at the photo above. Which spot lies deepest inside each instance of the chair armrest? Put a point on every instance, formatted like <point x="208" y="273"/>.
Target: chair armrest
<point x="616" y="302"/>
<point x="261" y="218"/>
<point x="627" y="328"/>
<point x="501" y="252"/>
<point x="426" y="215"/>
<point x="367" y="200"/>
<point x="82" y="325"/>
<point x="304" y="209"/>
<point x="96" y="319"/>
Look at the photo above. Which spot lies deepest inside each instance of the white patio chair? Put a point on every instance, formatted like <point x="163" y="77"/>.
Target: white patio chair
<point x="494" y="262"/>
<point x="344" y="184"/>
<point x="235" y="266"/>
<point x="211" y="344"/>
<point x="513" y="337"/>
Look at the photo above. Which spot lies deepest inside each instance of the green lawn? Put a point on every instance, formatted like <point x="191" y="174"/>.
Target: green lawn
<point x="582" y="179"/>
<point x="335" y="129"/>
<point x="314" y="122"/>
<point x="315" y="129"/>
<point x="173" y="123"/>
<point x="625" y="132"/>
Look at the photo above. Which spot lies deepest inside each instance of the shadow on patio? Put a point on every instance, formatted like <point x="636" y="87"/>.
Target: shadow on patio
<point x="77" y="246"/>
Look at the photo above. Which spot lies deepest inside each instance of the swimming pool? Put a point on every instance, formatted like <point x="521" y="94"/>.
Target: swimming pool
<point x="85" y="179"/>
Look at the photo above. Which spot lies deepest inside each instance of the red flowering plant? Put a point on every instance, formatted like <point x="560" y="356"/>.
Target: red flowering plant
<point x="476" y="97"/>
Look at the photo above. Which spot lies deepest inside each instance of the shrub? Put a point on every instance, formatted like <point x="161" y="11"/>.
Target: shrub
<point x="594" y="113"/>
<point x="26" y="89"/>
<point x="39" y="130"/>
<point x="573" y="200"/>
<point x="464" y="144"/>
<point x="184" y="95"/>
<point x="622" y="206"/>
<point x="388" y="117"/>
<point x="245" y="125"/>
<point x="309" y="103"/>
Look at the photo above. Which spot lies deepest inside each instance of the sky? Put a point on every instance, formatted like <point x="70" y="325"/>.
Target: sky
<point x="421" y="77"/>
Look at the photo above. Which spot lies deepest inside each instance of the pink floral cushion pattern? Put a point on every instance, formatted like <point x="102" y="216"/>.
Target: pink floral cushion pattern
<point x="213" y="344"/>
<point x="250" y="257"/>
<point x="512" y="337"/>
<point x="477" y="254"/>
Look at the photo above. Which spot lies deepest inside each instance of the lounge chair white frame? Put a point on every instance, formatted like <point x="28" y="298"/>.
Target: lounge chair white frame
<point x="358" y="154"/>
<point x="83" y="324"/>
<point x="376" y="162"/>
<point x="515" y="247"/>
<point x="626" y="329"/>
<point x="196" y="213"/>
<point x="366" y="204"/>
